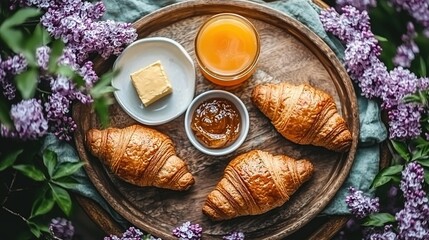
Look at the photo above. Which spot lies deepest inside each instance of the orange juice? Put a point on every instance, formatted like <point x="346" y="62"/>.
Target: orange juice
<point x="227" y="49"/>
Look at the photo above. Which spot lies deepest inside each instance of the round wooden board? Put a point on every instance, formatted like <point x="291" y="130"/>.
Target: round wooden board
<point x="290" y="52"/>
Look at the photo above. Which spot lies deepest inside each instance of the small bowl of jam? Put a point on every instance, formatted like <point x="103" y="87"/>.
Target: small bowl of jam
<point x="217" y="122"/>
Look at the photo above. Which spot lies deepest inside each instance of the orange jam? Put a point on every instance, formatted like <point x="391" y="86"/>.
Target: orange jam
<point x="216" y="123"/>
<point x="227" y="48"/>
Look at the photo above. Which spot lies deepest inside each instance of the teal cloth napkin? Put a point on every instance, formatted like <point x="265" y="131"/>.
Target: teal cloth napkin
<point x="372" y="130"/>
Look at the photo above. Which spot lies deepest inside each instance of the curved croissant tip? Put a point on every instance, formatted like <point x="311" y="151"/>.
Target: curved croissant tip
<point x="91" y="139"/>
<point x="305" y="169"/>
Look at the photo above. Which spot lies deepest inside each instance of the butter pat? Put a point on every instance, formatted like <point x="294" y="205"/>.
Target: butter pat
<point x="151" y="83"/>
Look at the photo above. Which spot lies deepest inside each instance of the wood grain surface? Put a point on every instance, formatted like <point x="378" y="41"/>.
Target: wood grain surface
<point x="290" y="52"/>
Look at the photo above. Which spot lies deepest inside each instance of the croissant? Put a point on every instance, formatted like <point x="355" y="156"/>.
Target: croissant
<point x="254" y="183"/>
<point x="141" y="156"/>
<point x="303" y="114"/>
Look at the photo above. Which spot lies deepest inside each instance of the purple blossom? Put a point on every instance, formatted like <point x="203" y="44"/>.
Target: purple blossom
<point x="361" y="205"/>
<point x="418" y="9"/>
<point x="57" y="106"/>
<point x="188" y="231"/>
<point x="15" y="65"/>
<point x="63" y="128"/>
<point x="8" y="69"/>
<point x="401" y="82"/>
<point x="386" y="234"/>
<point x="42" y="57"/>
<point x="234" y="236"/>
<point x="62" y="85"/>
<point x="361" y="5"/>
<point x="28" y="120"/>
<point x="75" y="23"/>
<point x="373" y="78"/>
<point x="405" y="53"/>
<point x="348" y="25"/>
<point x="362" y="62"/>
<point x="61" y="228"/>
<point x="404" y="121"/>
<point x="89" y="75"/>
<point x="360" y="53"/>
<point x="413" y="219"/>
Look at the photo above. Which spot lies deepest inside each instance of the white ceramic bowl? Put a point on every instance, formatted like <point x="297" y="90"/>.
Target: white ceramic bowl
<point x="244" y="128"/>
<point x="179" y="68"/>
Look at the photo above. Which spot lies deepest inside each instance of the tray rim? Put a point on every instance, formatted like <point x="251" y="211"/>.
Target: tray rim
<point x="261" y="9"/>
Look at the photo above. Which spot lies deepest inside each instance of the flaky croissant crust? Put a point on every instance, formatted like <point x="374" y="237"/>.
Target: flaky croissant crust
<point x="254" y="183"/>
<point x="140" y="155"/>
<point x="303" y="114"/>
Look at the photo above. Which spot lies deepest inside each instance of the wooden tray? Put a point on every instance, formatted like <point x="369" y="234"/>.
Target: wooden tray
<point x="290" y="52"/>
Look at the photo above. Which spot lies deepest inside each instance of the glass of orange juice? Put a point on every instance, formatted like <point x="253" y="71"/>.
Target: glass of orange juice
<point x="227" y="48"/>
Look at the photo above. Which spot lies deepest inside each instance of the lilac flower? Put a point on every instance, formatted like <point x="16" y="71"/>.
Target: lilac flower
<point x="418" y="9"/>
<point x="2" y="71"/>
<point x="188" y="231"/>
<point x="360" y="53"/>
<point x="61" y="228"/>
<point x="360" y="205"/>
<point x="361" y="60"/>
<point x="15" y="64"/>
<point x="42" y="57"/>
<point x="234" y="236"/>
<point x="386" y="234"/>
<point x="404" y="121"/>
<point x="28" y="120"/>
<point x="63" y="128"/>
<point x="57" y="106"/>
<point x="361" y="5"/>
<point x="9" y="67"/>
<point x="130" y="233"/>
<point x="62" y="85"/>
<point x="373" y="78"/>
<point x="401" y="82"/>
<point x="75" y="24"/>
<point x="405" y="53"/>
<point x="413" y="219"/>
<point x="89" y="75"/>
<point x="347" y="25"/>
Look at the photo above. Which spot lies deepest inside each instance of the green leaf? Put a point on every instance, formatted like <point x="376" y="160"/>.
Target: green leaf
<point x="424" y="161"/>
<point x="412" y="98"/>
<point x="378" y="219"/>
<point x="99" y="88"/>
<point x="19" y="17"/>
<point x="401" y="149"/>
<point x="14" y="37"/>
<point x="56" y="51"/>
<point x="67" y="169"/>
<point x="386" y="175"/>
<point x="43" y="204"/>
<point x="381" y="39"/>
<point x="30" y="171"/>
<point x="4" y="114"/>
<point x="35" y="229"/>
<point x="66" y="182"/>
<point x="37" y="39"/>
<point x="101" y="106"/>
<point x="420" y="142"/>
<point x="50" y="160"/>
<point x="62" y="198"/>
<point x="26" y="83"/>
<point x="420" y="154"/>
<point x="9" y="159"/>
<point x="422" y="67"/>
<point x="426" y="176"/>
